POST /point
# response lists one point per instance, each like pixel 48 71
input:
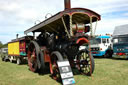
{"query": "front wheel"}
pixel 2 59
pixel 85 62
pixel 56 56
pixel 11 59
pixel 108 54
pixel 18 61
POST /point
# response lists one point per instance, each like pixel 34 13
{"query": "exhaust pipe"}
pixel 67 4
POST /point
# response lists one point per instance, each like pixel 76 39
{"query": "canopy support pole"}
pixel 71 33
pixel 95 27
pixel 66 30
pixel 91 33
pixel 33 34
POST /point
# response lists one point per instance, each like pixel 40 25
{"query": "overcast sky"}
pixel 18 15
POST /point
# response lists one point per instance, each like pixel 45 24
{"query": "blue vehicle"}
pixel 120 42
pixel 101 46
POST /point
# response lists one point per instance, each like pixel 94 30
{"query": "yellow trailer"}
pixel 13 49
pixel 17 49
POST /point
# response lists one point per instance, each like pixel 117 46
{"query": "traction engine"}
pixel 63 37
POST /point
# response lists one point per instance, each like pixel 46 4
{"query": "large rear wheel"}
pixel 32 60
pixel 35 57
pixel 33 52
pixel 85 62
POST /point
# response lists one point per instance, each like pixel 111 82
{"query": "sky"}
pixel 16 16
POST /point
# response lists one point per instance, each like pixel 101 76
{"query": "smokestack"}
pixel 17 36
pixel 67 4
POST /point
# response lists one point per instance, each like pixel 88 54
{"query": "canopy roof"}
pixel 22 38
pixel 54 23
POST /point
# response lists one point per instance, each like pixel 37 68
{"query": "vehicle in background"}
pixel 101 46
pixel 3 54
pixel 120 42
pixel 17 50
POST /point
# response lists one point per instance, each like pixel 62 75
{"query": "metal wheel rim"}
pixel 84 63
pixel 55 70
pixel 32 62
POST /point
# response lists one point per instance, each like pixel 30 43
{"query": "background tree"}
pixel 1 44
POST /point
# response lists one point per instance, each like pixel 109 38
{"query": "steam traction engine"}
pixel 61 37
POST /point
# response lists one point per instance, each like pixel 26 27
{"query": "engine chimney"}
pixel 17 36
pixel 67 4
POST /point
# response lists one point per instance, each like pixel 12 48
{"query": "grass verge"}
pixel 107 72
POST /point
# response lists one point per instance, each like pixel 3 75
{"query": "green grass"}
pixel 107 72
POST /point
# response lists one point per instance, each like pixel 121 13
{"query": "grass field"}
pixel 107 72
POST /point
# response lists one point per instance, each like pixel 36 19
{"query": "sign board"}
pixel 66 72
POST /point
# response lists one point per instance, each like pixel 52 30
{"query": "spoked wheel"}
pixel 32 62
pixel 35 57
pixel 85 62
pixel 56 56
